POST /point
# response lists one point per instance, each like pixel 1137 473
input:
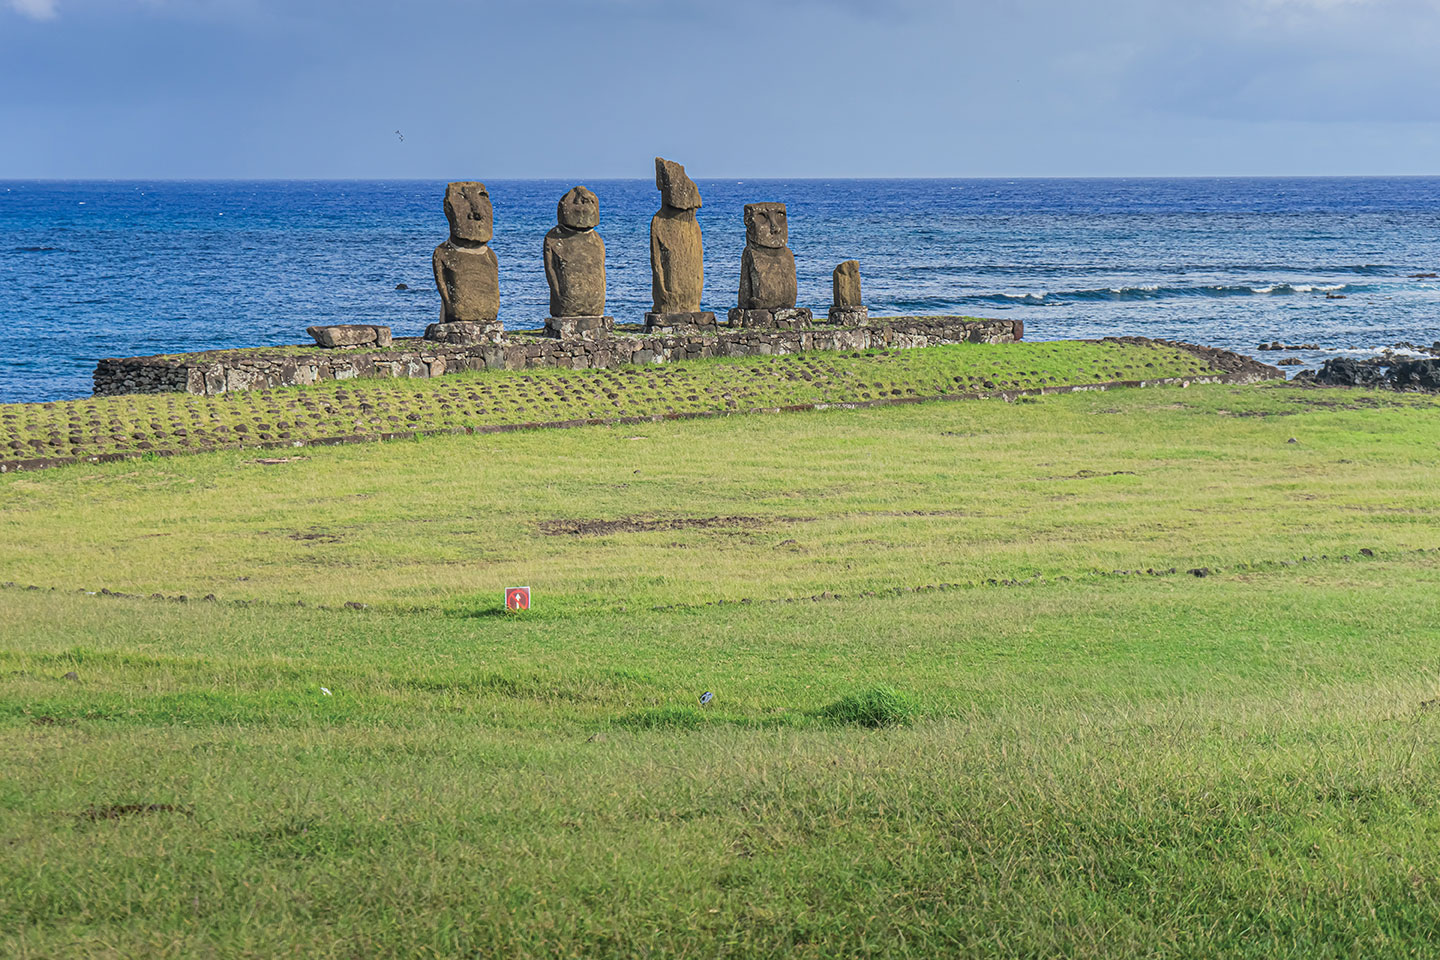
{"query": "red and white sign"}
pixel 517 598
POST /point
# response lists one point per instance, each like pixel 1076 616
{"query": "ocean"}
pixel 107 268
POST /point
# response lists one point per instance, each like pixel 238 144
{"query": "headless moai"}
pixel 466 272
pixel 575 269
pixel 767 271
pixel 847 309
pixel 677 257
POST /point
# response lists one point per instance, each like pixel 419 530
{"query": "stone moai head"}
pixel 467 207
pixel 676 189
pixel 579 209
pixel 766 225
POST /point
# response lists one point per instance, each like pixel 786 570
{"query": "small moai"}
pixel 767 272
pixel 575 269
pixel 847 310
pixel 466 271
pixel 677 258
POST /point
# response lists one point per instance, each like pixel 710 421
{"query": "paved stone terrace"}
pixel 218 372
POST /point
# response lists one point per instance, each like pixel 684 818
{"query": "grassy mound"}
pixel 876 707
pixel 145 423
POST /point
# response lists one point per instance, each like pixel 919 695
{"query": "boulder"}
pixel 1349 372
pixel 1415 375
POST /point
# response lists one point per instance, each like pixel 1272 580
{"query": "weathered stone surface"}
pixel 579 328
pixel 677 261
pixel 767 278
pixel 579 209
pixel 849 316
pixel 469 282
pixel 767 267
pixel 575 258
pixel 784 318
pixel 767 225
pixel 467 207
pixel 693 321
pixel 845 284
pixel 465 332
pixel 676 189
pixel 351 335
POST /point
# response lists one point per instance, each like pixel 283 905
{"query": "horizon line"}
pixel 559 179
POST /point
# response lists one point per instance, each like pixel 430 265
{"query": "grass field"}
pixel 962 706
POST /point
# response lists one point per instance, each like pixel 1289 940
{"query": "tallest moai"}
pixel 677 260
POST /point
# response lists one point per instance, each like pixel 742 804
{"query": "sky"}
pixel 485 89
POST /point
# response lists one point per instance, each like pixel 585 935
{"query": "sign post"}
pixel 517 598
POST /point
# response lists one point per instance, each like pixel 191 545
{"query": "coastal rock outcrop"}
pixel 575 268
pixel 1420 375
pixel 846 307
pixel 677 258
pixel 466 271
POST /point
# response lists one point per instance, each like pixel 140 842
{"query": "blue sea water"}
pixel 103 268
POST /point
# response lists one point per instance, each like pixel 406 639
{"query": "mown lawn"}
pixel 1079 758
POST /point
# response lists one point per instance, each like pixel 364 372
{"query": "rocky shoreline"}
pixel 1406 374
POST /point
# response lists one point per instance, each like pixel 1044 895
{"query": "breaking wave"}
pixel 1161 292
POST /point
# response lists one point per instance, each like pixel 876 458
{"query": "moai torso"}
pixel 845 285
pixel 767 267
pixel 575 258
pixel 677 259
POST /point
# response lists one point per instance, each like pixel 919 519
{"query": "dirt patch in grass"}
pixel 598 528
pixel 49 721
pixel 115 811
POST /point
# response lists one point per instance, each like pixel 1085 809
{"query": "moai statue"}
pixel 767 272
pixel 847 310
pixel 575 269
pixel 466 270
pixel 677 261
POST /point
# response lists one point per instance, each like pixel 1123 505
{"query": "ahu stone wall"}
pixel 217 372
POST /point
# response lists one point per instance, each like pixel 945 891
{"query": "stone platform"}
pixel 217 372
pixel 784 318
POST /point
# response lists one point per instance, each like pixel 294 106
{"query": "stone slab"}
pixel 351 335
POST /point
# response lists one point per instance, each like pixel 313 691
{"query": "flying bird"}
pixel 400 135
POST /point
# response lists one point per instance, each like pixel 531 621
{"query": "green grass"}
pixel 1069 760
pixel 183 423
